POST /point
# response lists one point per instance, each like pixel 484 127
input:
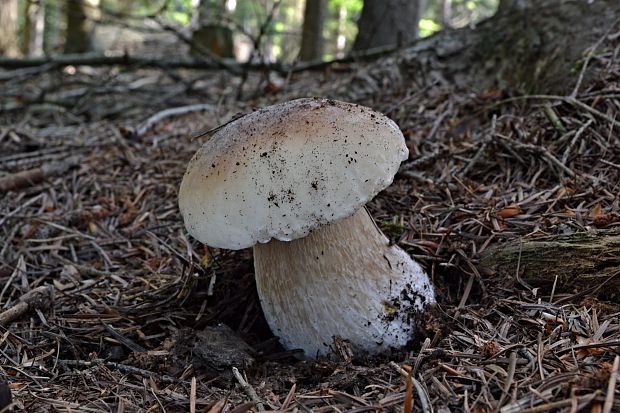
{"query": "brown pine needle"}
pixel 409 390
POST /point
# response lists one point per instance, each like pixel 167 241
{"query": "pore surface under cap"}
pixel 286 169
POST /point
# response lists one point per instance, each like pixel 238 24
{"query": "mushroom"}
pixel 292 180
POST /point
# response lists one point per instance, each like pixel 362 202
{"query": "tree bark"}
pixel 36 45
pixel 528 46
pixel 8 28
pixel 312 32
pixel 26 27
pixel 52 40
pixel 446 14
pixel 387 23
pixel 577 260
pixel 210 34
pixel 79 28
pixel 534 45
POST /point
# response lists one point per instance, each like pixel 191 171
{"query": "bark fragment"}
pixel 581 260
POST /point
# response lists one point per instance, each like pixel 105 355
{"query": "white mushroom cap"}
pixel 284 170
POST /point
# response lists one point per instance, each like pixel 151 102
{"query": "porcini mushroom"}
pixel 292 180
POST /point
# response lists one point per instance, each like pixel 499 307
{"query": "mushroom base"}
pixel 344 279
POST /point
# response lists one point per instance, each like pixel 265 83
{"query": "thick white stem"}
pixel 343 279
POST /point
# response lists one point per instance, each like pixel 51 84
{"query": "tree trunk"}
pixel 534 45
pixel 446 14
pixel 341 39
pixel 528 46
pixel 568 261
pixel 8 28
pixel 387 23
pixel 79 28
pixel 210 34
pixel 312 33
pixel 36 45
pixel 52 41
pixel 26 28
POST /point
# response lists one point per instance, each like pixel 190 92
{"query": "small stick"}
pixel 572 143
pixel 615 165
pixel 31 177
pixel 423 396
pixel 408 165
pixel 553 118
pixel 244 408
pixel 553 405
pixel 248 389
pixel 555 284
pixel 482 148
pixel 611 386
pixel 467 291
pixel 38 298
pixel 219 406
pixel 437 124
pixel 192 396
pixel 406 373
pixel 475 158
pixel 509 379
pixel 418 360
pixel 148 124
pixel 19 269
pixel 289 397
pixel 399 369
pixel 566 99
pixel 591 52
pixel 540 150
pixel 123 368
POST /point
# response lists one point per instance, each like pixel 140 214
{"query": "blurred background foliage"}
pixel 42 25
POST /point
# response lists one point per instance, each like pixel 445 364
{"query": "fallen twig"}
pixel 540 150
pixel 168 113
pixel 248 389
pixel 38 298
pixel 92 59
pixel 120 367
pixel 574 141
pixel 34 176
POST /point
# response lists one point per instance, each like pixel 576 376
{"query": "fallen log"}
pixel 574 261
pixel 92 59
pixel 124 59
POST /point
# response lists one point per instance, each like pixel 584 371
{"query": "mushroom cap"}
pixel 284 170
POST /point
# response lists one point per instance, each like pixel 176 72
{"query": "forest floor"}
pixel 128 305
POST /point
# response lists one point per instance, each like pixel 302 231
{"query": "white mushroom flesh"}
pixel 345 280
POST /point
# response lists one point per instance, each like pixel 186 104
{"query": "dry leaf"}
pixel 509 212
pixel 596 211
pixel 204 260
